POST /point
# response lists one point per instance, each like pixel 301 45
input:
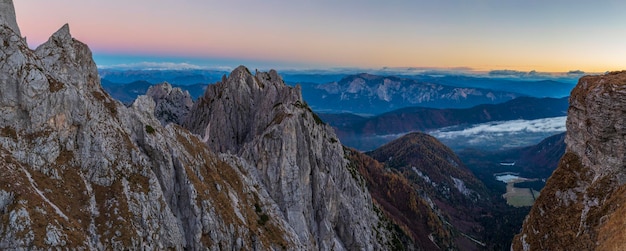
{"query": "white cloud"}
pixel 486 131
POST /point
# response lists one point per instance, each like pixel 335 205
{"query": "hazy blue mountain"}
pixel 126 93
pixel 535 88
pixel 372 94
pixel 313 77
pixel 174 77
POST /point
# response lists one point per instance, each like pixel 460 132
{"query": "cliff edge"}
pixel 583 205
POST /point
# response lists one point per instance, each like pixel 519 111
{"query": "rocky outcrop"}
pixel 172 104
pixel 582 206
pixel 297 158
pixel 82 171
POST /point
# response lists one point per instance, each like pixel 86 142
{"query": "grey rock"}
pixel 172 104
pixel 7 15
pixel 296 157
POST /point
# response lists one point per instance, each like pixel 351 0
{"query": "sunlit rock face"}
pixel 582 206
pixel 295 155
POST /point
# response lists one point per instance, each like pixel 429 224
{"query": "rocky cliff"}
pixel 82 171
pixel 297 158
pixel 582 206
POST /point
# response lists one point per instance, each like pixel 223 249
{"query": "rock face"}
pixel 82 171
pixel 172 104
pixel 297 157
pixel 582 206
pixel 7 15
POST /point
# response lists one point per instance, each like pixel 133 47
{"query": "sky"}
pixel 547 36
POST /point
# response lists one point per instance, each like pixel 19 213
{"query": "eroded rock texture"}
pixel 297 158
pixel 172 104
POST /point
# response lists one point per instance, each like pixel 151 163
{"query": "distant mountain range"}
pixel 127 93
pixel 341 92
pixel 174 77
pixel 372 94
pixel 364 132
pixel 534 88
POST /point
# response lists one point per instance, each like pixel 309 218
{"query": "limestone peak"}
pixel 63 32
pixel 7 15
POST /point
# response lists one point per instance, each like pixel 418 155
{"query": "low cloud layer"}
pixel 552 125
pixel 501 135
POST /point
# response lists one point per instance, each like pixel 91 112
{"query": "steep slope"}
pixel 372 94
pixel 297 158
pixel 403 204
pixel 457 195
pixel 582 204
pixel 82 171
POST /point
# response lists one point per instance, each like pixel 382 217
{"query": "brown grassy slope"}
pixel 401 203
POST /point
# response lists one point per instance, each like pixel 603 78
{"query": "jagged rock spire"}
pixel 7 15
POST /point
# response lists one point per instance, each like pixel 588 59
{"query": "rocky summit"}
pixel 172 104
pixel 297 158
pixel 582 206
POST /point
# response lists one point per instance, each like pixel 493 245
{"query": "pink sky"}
pixel 529 35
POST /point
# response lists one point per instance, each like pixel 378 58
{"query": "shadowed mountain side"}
pixel 442 179
pixel 537 161
pixel 401 202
